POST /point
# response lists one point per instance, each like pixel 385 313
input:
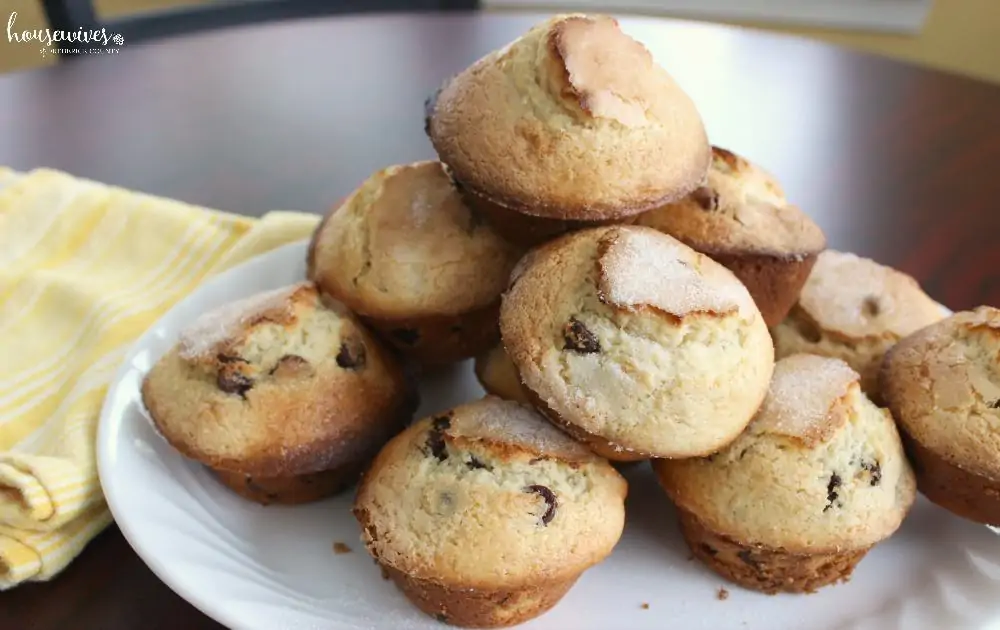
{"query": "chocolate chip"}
pixel 806 329
pixel 475 464
pixel 435 437
pixel 550 499
pixel 831 490
pixel 709 550
pixel 352 354
pixel 870 306
pixel 409 336
pixel 229 358
pixel 455 329
pixel 233 382
pixel 747 557
pixel 996 404
pixel 875 470
pixel 579 338
pixel 442 422
pixel 443 618
pixel 706 197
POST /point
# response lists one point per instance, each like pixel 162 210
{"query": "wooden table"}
pixel 895 163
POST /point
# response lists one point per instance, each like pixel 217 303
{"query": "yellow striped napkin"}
pixel 84 269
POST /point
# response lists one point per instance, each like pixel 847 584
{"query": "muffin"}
pixel 817 479
pixel 854 309
pixel 635 343
pixel 405 253
pixel 942 384
pixel 498 376
pixel 742 219
pixel 486 515
pixel 284 397
pixel 571 125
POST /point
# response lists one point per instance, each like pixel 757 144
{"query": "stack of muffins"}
pixel 628 292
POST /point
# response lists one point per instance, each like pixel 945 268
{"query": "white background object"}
pixel 273 568
pixel 897 16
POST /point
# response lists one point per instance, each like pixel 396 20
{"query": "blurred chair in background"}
pixel 71 15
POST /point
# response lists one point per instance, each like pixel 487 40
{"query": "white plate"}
pixel 249 566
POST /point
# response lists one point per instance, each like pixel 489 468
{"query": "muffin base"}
pixel 441 339
pixel 774 282
pixel 525 229
pixel 479 608
pixel 965 494
pixel 764 569
pixel 291 489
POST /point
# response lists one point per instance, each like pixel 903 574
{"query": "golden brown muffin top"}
pixel 851 297
pixel 943 385
pixel 489 495
pixel 276 384
pixel 633 337
pixel 405 245
pixel 741 209
pixel 802 401
pixel 573 120
pixel 820 468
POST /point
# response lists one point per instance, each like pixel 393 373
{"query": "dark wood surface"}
pixel 894 162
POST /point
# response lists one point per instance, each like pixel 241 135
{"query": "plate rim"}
pixel 109 427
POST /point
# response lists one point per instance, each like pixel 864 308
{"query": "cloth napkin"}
pixel 85 269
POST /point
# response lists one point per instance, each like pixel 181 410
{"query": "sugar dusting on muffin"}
pixel 218 327
pixel 606 70
pixel 799 402
pixel 641 268
pixel 857 298
pixel 518 425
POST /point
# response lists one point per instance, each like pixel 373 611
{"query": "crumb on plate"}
pixel 339 548
pixel 645 605
pixel 723 594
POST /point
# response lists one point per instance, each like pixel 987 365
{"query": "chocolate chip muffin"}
pixel 942 384
pixel 284 397
pixel 406 254
pixel 498 376
pixel 817 479
pixel 571 125
pixel 635 343
pixel 742 219
pixel 854 309
pixel 486 515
